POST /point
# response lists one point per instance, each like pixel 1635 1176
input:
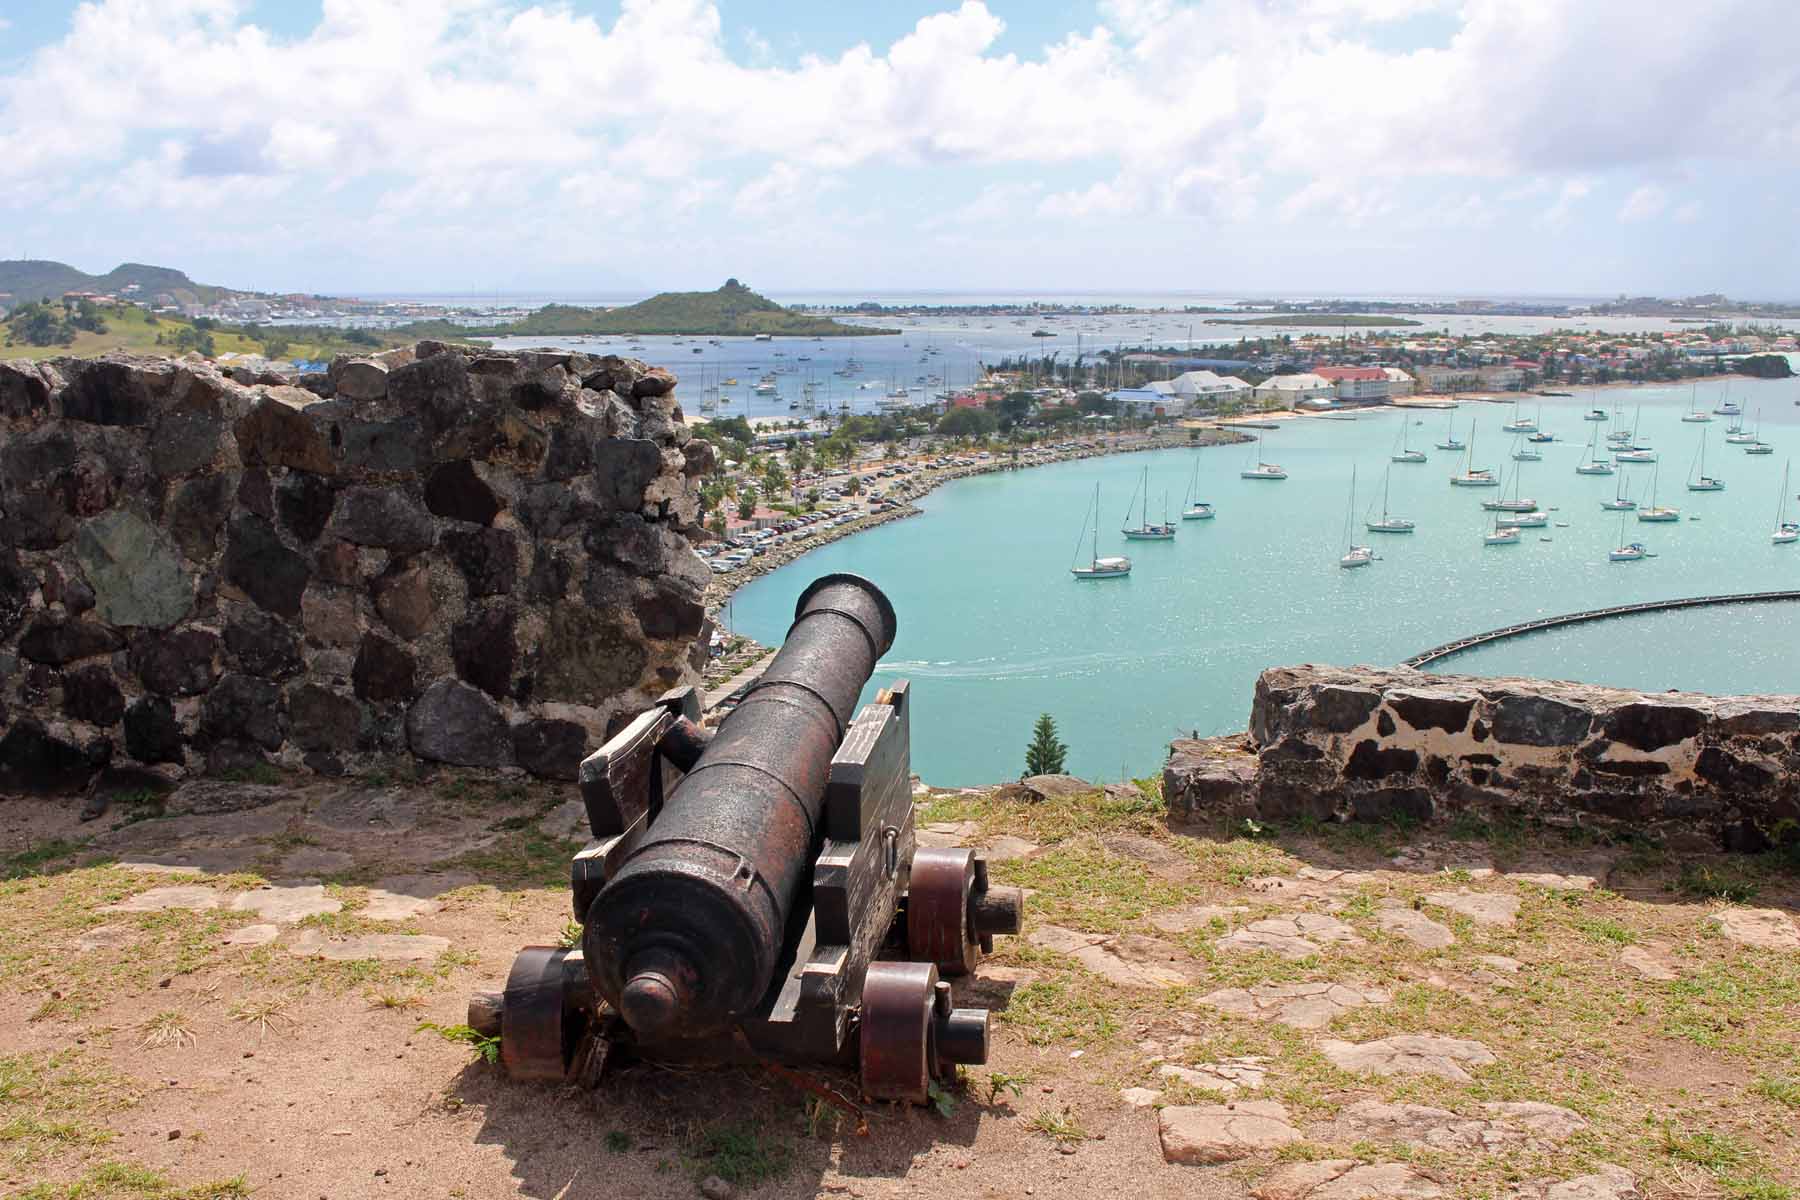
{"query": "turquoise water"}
pixel 994 630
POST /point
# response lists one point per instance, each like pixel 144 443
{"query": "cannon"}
pixel 757 890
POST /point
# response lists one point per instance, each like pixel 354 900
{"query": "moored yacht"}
pixel 1786 531
pixel 1111 567
pixel 1655 511
pixel 1262 470
pixel 1594 414
pixel 1450 442
pixel 1592 463
pixel 1702 482
pixel 1535 519
pixel 1147 530
pixel 1387 523
pixel 1354 555
pixel 1192 507
pixel 1472 475
pixel 1634 456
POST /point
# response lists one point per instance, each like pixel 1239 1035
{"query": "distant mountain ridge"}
pixel 40 279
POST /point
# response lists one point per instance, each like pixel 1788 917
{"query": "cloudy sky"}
pixel 593 146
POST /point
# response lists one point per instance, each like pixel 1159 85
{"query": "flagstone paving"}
pixel 1339 1016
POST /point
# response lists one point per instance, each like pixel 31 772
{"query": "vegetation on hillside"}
pixel 38 279
pixel 38 330
pixel 732 310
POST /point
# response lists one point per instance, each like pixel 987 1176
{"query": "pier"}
pixel 1592 614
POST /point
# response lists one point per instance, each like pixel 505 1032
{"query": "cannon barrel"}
pixel 684 937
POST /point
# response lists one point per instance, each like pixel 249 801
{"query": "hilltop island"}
pixel 732 311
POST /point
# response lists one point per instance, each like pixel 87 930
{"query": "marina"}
pixel 1197 618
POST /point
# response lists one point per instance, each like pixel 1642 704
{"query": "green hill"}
pixel 40 279
pixel 732 310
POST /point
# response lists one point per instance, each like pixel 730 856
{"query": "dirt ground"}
pixel 1568 1009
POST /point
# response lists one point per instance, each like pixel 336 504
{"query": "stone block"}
pixel 52 640
pixel 275 433
pixel 244 708
pixel 456 491
pixel 322 719
pixel 135 572
pixel 304 501
pixel 483 649
pixel 487 558
pixel 550 749
pixel 384 673
pixel 263 645
pixel 264 567
pixel 152 734
pixel 403 598
pixel 452 722
pixel 383 517
pixel 91 694
pixel 181 663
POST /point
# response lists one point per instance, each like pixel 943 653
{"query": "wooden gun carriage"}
pixel 758 889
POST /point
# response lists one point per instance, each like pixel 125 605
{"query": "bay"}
pixel 994 630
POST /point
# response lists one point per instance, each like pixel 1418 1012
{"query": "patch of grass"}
pixel 1081 885
pixel 1059 1125
pixel 262 1014
pixel 1603 930
pixel 1779 1088
pixel 1011 1084
pixel 739 1153
pixel 33 859
pixel 570 937
pixel 525 857
pixel 1717 883
pixel 617 1141
pixel 1046 1011
pixel 48 1104
pixel 113 1179
pixel 486 1048
pixel 167 1028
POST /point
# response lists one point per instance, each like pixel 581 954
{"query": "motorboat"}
pixel 1536 519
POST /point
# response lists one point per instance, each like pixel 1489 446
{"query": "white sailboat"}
pixel 1627 437
pixel 1702 482
pixel 1262 470
pixel 1388 522
pixel 1696 415
pixel 1655 511
pixel 1626 551
pixel 1406 454
pixel 1099 568
pixel 1524 453
pixel 1471 475
pixel 1620 501
pixel 1634 454
pixel 1786 531
pixel 1592 463
pixel 1515 503
pixel 1519 424
pixel 1727 406
pixel 1501 535
pixel 1450 442
pixel 1192 507
pixel 1355 555
pixel 1147 530
pixel 1594 414
pixel 1757 445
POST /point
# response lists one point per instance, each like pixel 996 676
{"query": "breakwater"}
pixel 1593 614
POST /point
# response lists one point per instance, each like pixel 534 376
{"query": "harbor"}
pixel 1188 628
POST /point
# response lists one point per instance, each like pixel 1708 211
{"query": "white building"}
pixel 1399 382
pixel 1204 389
pixel 1293 391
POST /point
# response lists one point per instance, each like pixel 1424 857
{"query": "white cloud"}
pixel 1645 202
pixel 1165 109
pixel 1558 214
pixel 1688 213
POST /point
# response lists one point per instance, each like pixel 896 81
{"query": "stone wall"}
pixel 1372 744
pixel 474 558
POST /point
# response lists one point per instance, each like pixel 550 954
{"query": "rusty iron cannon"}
pixel 758 891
